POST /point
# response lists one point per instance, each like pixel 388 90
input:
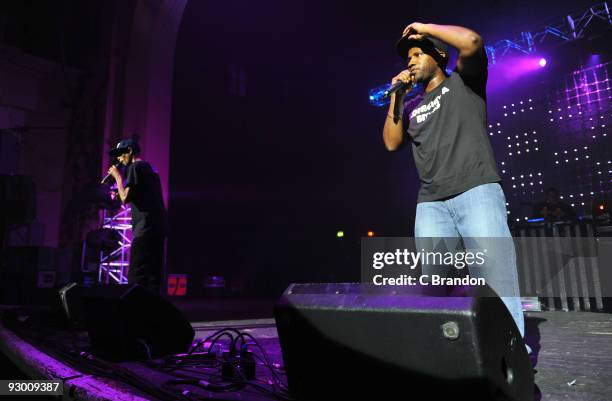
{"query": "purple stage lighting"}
pixel 594 60
pixel 514 68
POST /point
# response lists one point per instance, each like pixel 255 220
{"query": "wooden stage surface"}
pixel 572 358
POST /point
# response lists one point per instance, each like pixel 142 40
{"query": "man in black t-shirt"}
pixel 142 189
pixel 460 196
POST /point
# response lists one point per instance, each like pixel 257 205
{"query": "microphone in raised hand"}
pixel 400 85
pixel 109 175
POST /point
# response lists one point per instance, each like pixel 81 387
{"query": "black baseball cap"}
pixel 122 147
pixel 428 44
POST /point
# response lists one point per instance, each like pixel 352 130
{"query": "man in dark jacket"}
pixel 142 189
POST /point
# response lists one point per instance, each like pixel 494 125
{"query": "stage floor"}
pixel 573 353
pixel 572 357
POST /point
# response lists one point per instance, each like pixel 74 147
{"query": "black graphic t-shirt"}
pixel 451 149
pixel 145 196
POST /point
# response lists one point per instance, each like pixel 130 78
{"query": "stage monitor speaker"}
pixel 349 341
pixel 127 322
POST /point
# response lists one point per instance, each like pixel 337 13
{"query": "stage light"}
pixel 542 62
pixel 340 234
pixel 370 233
pixel 594 59
pixel 601 207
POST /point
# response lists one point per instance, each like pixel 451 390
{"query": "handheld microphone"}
pixel 398 86
pixel 116 164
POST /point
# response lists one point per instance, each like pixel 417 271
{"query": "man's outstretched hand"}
pixel 416 30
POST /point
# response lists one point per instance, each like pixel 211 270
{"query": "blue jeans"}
pixel 479 217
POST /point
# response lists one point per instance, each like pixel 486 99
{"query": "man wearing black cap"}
pixel 142 189
pixel 460 194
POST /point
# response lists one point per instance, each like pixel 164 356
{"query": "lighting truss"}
pixel 114 264
pixel 572 27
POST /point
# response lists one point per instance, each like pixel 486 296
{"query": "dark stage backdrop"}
pixel 274 146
